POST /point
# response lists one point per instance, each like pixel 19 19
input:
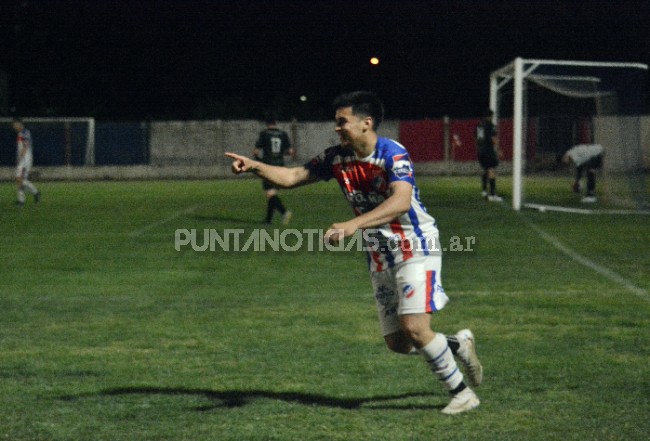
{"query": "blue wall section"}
pixel 121 143
pixel 58 143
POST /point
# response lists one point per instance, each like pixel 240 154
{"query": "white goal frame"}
pixel 516 71
pixel 89 159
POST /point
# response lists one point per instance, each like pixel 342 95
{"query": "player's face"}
pixel 351 128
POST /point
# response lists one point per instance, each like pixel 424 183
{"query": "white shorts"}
pixel 411 287
pixel 23 169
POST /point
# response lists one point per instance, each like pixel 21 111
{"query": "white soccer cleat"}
pixel 468 358
pixel 589 199
pixel 462 402
pixel 494 198
pixel 484 193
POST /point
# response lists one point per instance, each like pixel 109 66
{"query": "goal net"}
pixel 548 107
pixel 57 141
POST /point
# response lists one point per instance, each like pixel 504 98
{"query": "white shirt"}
pixel 582 153
pixel 24 141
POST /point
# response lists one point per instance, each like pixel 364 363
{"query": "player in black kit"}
pixel 488 156
pixel 271 147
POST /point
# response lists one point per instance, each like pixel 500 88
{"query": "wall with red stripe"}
pixel 445 139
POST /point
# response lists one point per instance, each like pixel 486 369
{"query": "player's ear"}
pixel 369 122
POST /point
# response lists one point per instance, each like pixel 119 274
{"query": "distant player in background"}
pixel 24 161
pixel 271 147
pixel 487 144
pixel 377 178
pixel 587 158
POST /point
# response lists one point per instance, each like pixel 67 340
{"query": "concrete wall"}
pixel 194 150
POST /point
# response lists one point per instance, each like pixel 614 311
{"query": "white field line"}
pixel 141 231
pixel 541 207
pixel 603 271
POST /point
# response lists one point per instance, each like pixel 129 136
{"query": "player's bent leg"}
pixel 484 183
pixel 398 342
pixel 440 359
pixel 27 185
pixel 20 191
pixel 435 349
pixel 270 202
pixel 441 362
pixel 417 328
pixel 591 182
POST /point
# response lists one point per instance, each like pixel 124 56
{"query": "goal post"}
pixel 554 104
pixel 57 140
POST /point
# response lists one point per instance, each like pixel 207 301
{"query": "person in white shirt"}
pixel 587 158
pixel 24 161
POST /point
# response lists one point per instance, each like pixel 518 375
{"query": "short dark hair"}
pixel 362 103
pixel 270 117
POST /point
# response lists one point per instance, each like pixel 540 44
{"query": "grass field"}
pixel 108 333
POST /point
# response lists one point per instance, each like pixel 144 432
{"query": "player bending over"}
pixel 587 158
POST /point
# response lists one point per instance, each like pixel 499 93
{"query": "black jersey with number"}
pixel 274 144
pixel 485 132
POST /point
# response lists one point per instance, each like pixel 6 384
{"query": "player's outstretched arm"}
pixel 282 176
pixel 241 164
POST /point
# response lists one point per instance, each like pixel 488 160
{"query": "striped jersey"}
pixel 24 140
pixel 365 184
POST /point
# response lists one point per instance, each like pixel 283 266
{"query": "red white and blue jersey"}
pixel 365 183
pixel 24 141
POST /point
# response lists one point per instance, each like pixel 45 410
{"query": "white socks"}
pixel 27 185
pixel 441 362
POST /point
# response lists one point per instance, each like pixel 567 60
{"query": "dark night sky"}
pixel 165 59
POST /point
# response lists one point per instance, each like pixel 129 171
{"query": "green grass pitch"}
pixel 107 332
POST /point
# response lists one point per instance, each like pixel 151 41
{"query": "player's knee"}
pixel 417 331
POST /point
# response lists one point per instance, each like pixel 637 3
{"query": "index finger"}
pixel 232 155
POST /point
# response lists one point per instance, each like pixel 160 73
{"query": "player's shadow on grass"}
pixel 237 398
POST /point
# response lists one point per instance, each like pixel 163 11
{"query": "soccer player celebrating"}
pixel 376 176
pixel 24 160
